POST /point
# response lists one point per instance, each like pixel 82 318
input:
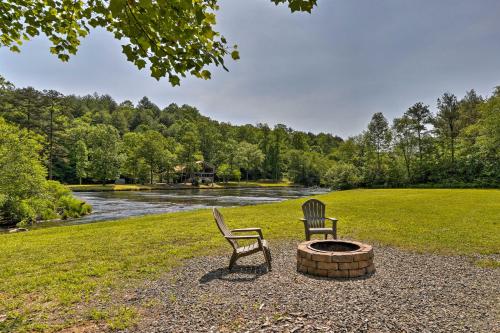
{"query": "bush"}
pixel 71 207
pixel 342 176
pixel 65 205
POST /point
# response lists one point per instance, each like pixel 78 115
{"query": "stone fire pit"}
pixel 335 258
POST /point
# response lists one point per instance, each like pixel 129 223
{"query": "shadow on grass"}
pixel 239 273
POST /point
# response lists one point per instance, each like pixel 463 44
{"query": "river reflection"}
pixel 122 204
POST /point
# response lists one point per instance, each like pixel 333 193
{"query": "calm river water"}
pixel 121 204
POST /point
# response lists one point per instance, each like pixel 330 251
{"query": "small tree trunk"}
pixel 51 141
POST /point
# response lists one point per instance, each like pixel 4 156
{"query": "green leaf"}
pixel 174 80
pixel 140 63
pixel 115 6
pixel 206 74
pixel 235 55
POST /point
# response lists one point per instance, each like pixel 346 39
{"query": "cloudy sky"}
pixel 326 71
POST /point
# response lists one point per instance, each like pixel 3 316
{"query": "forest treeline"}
pixel 93 138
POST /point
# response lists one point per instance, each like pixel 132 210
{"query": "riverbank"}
pixel 138 187
pixel 87 275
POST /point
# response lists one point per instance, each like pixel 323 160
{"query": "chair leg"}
pixel 232 261
pixel 267 256
pixel 308 237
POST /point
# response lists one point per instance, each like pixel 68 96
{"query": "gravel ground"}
pixel 408 293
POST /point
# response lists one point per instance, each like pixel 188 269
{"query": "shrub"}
pixel 71 207
pixel 342 176
pixel 64 203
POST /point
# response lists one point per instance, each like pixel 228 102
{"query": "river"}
pixel 122 204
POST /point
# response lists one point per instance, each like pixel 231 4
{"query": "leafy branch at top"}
pixel 174 38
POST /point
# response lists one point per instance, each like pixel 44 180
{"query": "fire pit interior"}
pixel 334 246
pixel 335 258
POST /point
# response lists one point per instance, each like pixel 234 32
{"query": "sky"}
pixel 327 71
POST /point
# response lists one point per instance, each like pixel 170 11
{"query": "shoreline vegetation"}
pixel 78 276
pixel 253 184
pixel 179 186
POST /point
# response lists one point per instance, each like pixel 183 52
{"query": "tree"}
pixel 306 168
pixel 488 141
pixel 134 165
pixel 5 85
pixel 404 140
pixel 173 38
pixel 446 121
pixel 25 195
pixel 81 160
pixel 275 155
pixel 469 109
pixel 248 157
pixel 224 171
pixel 22 175
pixel 104 152
pixel 188 151
pixel 419 117
pixel 154 150
pixel 379 137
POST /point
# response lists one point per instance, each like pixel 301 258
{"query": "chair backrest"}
pixel 219 219
pixel 314 213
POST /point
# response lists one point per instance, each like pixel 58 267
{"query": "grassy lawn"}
pixel 256 184
pixel 109 187
pixel 68 276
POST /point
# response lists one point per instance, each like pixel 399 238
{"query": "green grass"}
pixel 488 263
pixel 68 276
pixel 257 184
pixel 109 187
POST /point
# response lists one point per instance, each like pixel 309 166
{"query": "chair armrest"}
pixel 258 230
pixel 244 237
pixel 303 220
pixel 258 238
pixel 333 219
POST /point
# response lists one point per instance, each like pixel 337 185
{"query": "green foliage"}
pixel 225 172
pixel 81 156
pixel 307 168
pixel 446 123
pixel 248 157
pixel 342 176
pixel 145 143
pixel 104 153
pixel 172 38
pixel 122 318
pixel 25 195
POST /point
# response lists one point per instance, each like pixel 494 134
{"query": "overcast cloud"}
pixel 326 71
